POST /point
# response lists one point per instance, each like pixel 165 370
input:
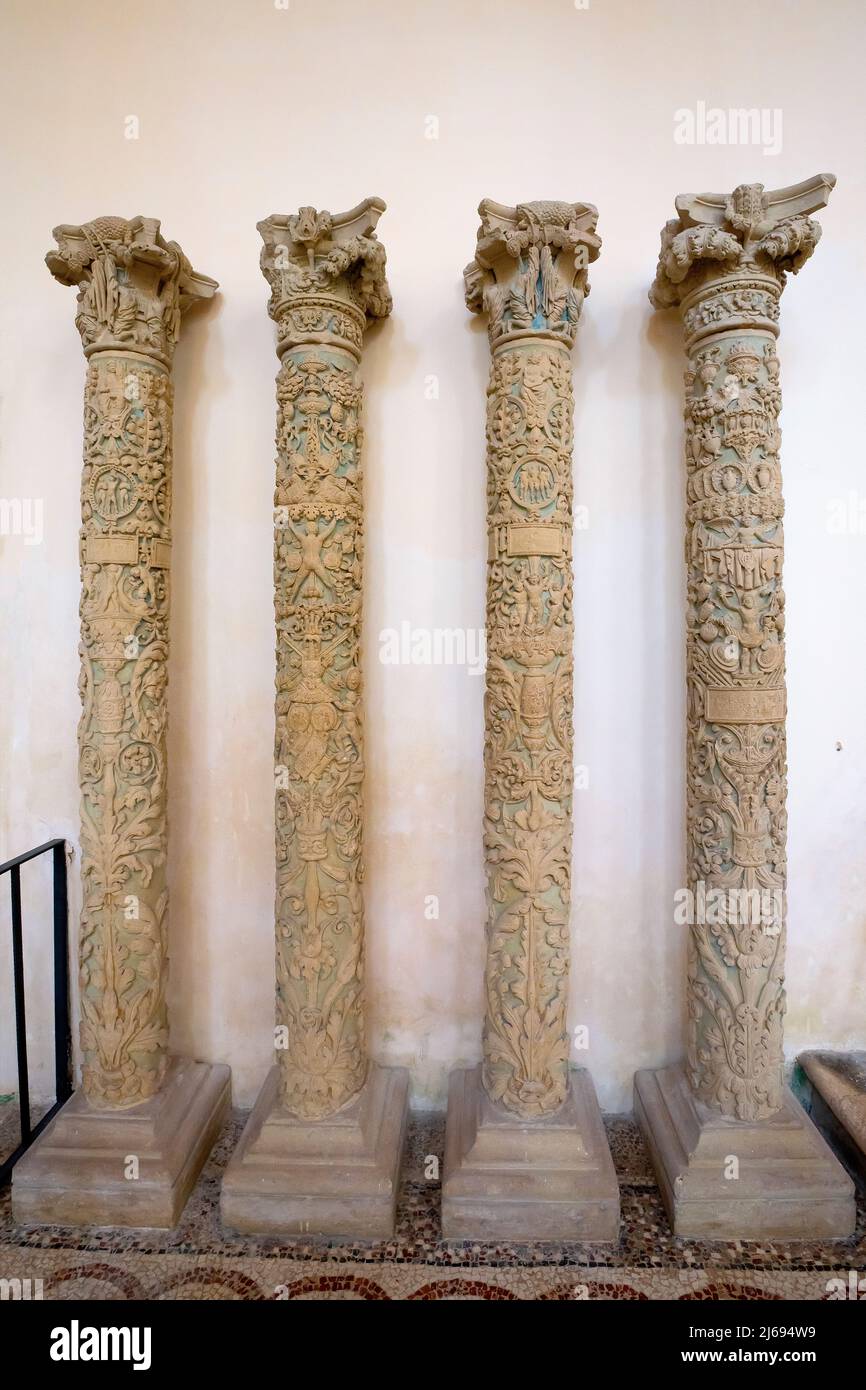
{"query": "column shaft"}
pixel 318 556
pixel 125 554
pixel 528 724
pixel 736 784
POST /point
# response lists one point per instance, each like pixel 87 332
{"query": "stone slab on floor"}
pixel 832 1087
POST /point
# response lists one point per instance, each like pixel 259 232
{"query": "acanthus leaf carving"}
pixel 750 231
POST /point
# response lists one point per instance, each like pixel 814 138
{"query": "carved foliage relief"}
pixel 133 288
pixel 736 730
pixel 725 260
pixel 124 648
pixel 528 724
pixel 322 291
pixel 318 554
pixel 533 306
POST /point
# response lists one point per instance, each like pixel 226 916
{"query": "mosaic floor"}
pixel 199 1260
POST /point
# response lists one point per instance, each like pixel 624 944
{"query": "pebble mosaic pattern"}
pixel 200 1260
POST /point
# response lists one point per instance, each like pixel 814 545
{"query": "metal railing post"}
pixel 60 931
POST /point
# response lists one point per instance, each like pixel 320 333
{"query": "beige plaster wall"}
pixel 246 108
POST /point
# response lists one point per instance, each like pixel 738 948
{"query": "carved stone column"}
pixel 526 1155
pixel 734 1152
pixel 135 1100
pixel 322 1148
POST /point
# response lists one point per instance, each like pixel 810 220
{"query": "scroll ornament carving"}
pixel 530 277
pixel 333 279
pixel 133 289
pixel 728 275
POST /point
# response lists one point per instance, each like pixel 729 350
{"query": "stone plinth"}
pixel 728 1179
pixel 134 1167
pixel 337 1176
pixel 524 1180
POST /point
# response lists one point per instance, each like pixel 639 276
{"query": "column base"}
pixel 790 1186
pixel 74 1175
pixel 546 1179
pixel 832 1087
pixel 332 1177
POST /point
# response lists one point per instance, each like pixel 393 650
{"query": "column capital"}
pixel 530 272
pixel 134 286
pixel 327 274
pixel 748 239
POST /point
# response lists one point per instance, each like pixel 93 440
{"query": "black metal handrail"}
pixel 62 1072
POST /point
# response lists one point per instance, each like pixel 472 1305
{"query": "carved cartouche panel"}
pixel 725 261
pixel 530 277
pixel 326 276
pixel 133 289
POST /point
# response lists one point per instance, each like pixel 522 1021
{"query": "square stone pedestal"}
pixel 332 1177
pixel 832 1087
pixel 789 1184
pixel 546 1179
pixel 76 1172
